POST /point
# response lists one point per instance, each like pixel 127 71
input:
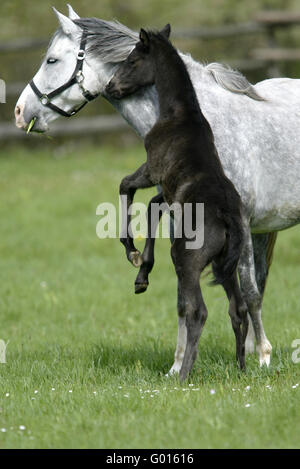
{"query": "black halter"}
pixel 76 78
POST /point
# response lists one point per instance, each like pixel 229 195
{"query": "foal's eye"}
pixel 51 60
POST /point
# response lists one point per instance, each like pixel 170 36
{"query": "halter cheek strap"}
pixel 76 78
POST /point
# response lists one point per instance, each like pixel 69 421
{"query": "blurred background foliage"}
pixel 35 19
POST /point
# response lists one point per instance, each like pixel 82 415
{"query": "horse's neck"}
pixel 140 110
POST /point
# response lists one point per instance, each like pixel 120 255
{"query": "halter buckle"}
pixel 79 77
pixel 81 54
pixel 44 100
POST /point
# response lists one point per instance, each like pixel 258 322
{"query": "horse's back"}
pixel 282 90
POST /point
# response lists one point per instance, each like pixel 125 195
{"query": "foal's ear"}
pixel 166 31
pixel 144 37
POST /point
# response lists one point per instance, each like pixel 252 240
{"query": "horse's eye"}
pixel 51 60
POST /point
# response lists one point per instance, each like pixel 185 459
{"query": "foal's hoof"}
pixel 140 287
pixel 135 258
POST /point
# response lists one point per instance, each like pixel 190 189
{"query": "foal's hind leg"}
pixel 189 264
pixel 238 314
pixel 181 335
pixel 196 314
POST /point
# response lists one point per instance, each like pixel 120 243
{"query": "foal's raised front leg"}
pixel 140 179
pixel 142 282
pixel 253 298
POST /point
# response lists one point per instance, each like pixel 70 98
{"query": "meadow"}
pixel 86 359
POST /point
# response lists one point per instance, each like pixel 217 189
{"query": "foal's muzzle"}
pixel 113 90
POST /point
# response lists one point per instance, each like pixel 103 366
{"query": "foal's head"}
pixel 138 69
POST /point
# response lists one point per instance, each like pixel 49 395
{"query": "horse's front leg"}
pixel 253 298
pixel 140 179
pixel 142 282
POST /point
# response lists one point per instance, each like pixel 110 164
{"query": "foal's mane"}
pixel 111 41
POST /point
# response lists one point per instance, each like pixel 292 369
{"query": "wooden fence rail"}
pixel 217 32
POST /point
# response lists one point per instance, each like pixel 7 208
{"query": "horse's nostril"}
pixel 19 116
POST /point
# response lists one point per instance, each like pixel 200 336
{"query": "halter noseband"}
pixel 76 78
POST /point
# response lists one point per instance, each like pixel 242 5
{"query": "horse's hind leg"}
pixel 239 318
pixel 263 245
pixel 253 298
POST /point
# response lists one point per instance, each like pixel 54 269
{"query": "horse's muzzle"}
pixel 19 116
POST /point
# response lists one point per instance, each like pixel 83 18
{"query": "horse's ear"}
pixel 144 37
pixel 66 23
pixel 72 14
pixel 166 31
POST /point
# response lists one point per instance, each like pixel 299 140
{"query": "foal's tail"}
pixel 227 263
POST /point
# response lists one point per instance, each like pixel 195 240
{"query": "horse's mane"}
pixel 111 41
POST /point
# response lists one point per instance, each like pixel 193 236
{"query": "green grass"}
pixel 68 309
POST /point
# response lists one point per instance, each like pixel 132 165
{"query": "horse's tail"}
pixel 225 266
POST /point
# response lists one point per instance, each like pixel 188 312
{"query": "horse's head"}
pixel 138 70
pixel 65 81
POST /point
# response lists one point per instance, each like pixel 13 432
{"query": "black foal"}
pixel 182 158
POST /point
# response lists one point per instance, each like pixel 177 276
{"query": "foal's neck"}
pixel 176 93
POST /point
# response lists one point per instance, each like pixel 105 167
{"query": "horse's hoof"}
pixel 136 259
pixel 140 287
pixel 264 353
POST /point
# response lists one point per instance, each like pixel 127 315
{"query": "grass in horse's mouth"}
pixel 31 124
